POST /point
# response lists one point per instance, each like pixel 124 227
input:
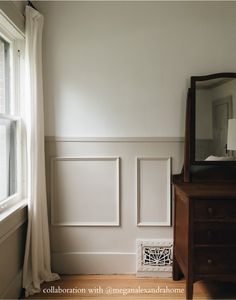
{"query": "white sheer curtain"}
pixel 37 266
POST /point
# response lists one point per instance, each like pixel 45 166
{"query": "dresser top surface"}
pixel 207 190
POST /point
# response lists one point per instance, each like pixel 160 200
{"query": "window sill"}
pixel 13 209
pixel 12 218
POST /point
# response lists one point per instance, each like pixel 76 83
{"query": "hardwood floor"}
pixel 118 287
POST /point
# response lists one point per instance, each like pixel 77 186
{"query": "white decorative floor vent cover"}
pixel 154 255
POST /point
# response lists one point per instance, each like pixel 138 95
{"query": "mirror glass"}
pixel 215 101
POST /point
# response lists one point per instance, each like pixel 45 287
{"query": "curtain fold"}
pixel 37 264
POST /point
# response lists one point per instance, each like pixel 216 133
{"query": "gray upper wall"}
pixel 122 69
pixel 15 11
pixel 20 5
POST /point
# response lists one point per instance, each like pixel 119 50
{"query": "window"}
pixel 11 163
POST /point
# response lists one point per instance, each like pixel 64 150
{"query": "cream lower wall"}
pixel 12 244
pixel 109 249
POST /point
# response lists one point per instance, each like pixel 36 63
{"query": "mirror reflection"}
pixel 215 104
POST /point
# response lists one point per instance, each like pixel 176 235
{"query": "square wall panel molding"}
pixel 85 191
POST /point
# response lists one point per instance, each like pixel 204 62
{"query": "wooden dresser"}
pixel 204 233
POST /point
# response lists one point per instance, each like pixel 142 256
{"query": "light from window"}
pixel 12 106
pixel 9 125
pixel 4 77
pixel 8 184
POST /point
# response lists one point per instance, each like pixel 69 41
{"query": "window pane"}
pixel 4 77
pixel 7 158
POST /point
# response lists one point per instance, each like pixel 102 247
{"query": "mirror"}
pixel 214 99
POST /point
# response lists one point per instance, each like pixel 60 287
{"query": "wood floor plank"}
pixel 117 287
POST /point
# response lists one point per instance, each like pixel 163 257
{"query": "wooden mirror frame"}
pixel 203 170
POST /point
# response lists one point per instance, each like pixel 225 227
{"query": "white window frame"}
pixel 11 34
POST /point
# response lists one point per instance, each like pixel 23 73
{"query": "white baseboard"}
pixel 94 263
pixel 154 274
pixel 13 291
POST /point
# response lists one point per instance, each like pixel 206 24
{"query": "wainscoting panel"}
pixel 153 191
pixel 85 191
pixel 12 246
pixel 90 181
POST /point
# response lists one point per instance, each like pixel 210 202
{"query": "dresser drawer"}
pixel 214 260
pixel 214 209
pixel 215 233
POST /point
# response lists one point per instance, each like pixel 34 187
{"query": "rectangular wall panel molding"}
pixel 85 191
pixel 153 191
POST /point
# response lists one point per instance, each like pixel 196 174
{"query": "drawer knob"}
pixel 209 261
pixel 210 210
